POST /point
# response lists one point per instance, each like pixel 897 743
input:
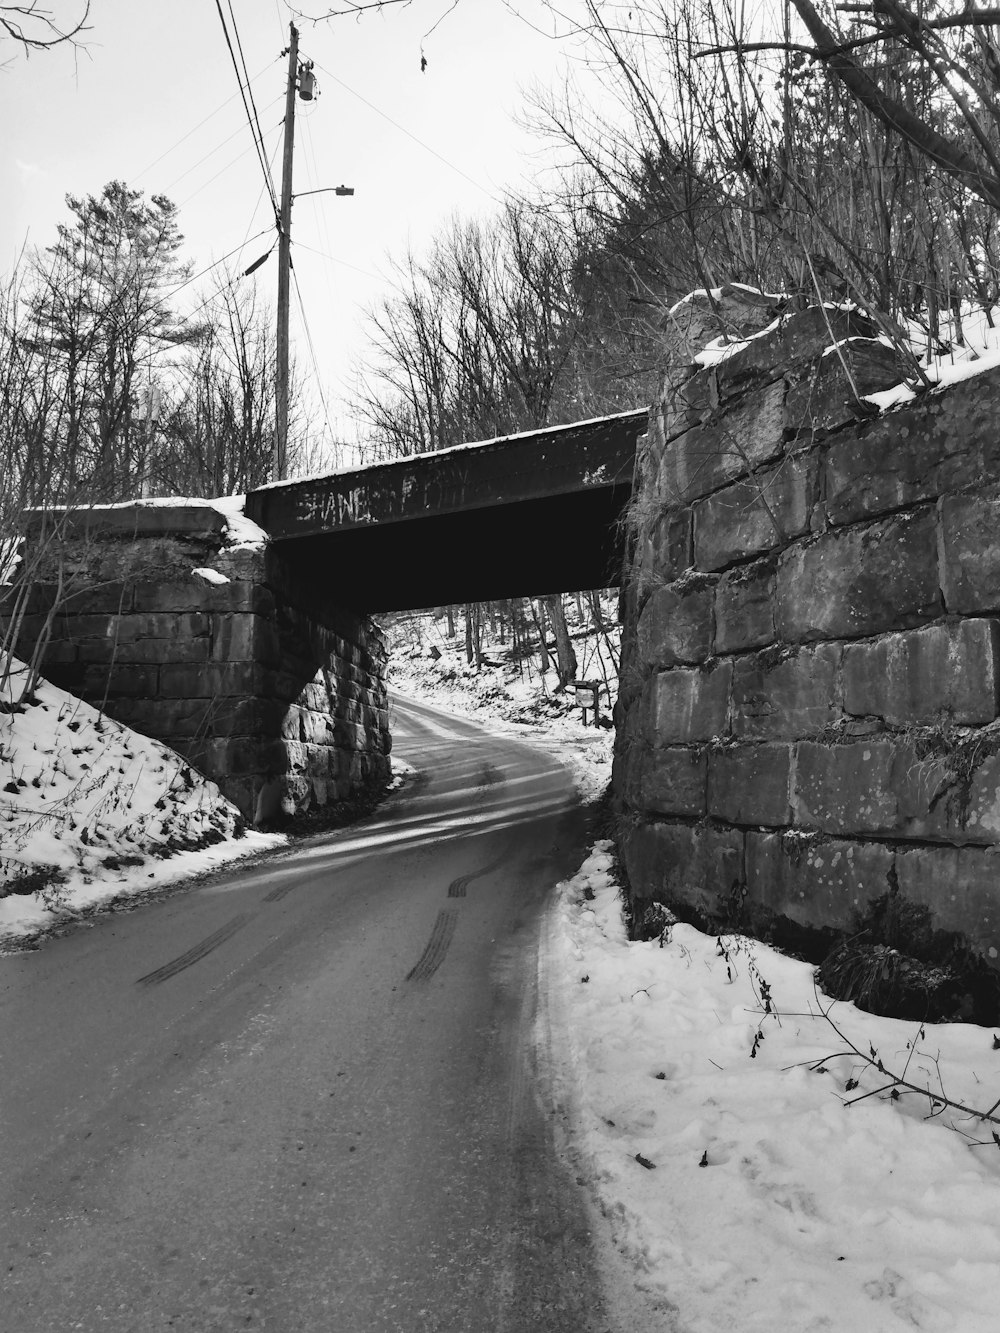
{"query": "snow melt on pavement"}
pixel 734 1171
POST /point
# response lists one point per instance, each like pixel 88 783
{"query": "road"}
pixel 303 1095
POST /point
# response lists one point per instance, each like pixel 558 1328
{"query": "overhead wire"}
pixel 249 88
pixel 212 151
pixel 254 126
pixel 319 211
pixel 221 172
pixel 365 272
pixel 204 121
pixel 410 135
pixel 312 353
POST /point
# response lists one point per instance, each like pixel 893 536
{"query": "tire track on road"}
pixel 458 887
pixel 196 952
pixel 437 946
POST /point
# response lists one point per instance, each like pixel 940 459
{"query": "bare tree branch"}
pixel 37 29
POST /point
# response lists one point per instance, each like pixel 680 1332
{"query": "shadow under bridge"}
pixel 526 514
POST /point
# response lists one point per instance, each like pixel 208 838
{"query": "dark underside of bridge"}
pixel 480 555
pixel 526 515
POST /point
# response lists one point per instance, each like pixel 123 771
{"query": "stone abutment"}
pixel 261 683
pixel 808 717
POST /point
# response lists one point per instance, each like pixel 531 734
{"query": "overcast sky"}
pixel 153 100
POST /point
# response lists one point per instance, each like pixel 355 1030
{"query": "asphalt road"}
pixel 303 1095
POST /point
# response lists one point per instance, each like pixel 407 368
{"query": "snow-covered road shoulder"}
pixel 750 1194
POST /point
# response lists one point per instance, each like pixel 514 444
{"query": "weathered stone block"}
pixel 670 781
pixel 242 637
pixel 961 886
pixel 816 882
pixel 865 787
pixel 348 735
pixel 243 756
pixel 121 681
pixel 744 608
pixel 802 335
pixel 689 704
pixel 676 624
pixel 786 695
pixel 755 514
pixel 940 673
pixel 143 519
pixel 665 550
pixel 315 728
pixel 707 456
pixel 148 651
pixel 182 596
pixel 167 718
pixel 824 398
pixel 687 863
pixel 108 599
pixel 208 681
pixel 695 320
pixel 971 808
pixel 72 628
pixel 941 442
pixel 862 581
pixel 748 784
pixel 157 625
pixel 970 551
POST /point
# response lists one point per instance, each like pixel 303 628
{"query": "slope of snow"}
pixel 91 811
pixel 754 1187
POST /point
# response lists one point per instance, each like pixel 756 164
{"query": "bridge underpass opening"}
pixel 528 514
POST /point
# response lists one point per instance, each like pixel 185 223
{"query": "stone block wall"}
pixel 274 692
pixel 808 716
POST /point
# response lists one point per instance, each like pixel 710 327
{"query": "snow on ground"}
pixel 737 1172
pixel 91 812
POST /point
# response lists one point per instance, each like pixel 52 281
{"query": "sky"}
pixel 153 99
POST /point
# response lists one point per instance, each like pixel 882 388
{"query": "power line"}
pixel 322 212
pixel 215 264
pixel 261 156
pixel 403 130
pixel 366 273
pixel 221 172
pixel 212 151
pixel 249 86
pixel 312 353
pixel 204 121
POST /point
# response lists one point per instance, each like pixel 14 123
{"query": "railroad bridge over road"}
pixel 532 513
pixel 263 667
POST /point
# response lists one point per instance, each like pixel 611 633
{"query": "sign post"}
pixel 588 693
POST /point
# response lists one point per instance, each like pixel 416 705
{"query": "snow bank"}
pixel 754 1186
pixel 90 810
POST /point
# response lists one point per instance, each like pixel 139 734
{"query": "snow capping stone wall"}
pixel 277 695
pixel 808 715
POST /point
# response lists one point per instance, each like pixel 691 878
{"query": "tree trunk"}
pixel 469 655
pixel 538 611
pixel 565 656
pixel 450 613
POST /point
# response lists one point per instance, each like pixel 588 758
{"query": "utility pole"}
pixel 280 456
pixel 301 80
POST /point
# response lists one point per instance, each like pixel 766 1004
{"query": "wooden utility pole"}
pixel 279 458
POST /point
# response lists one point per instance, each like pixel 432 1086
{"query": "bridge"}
pixel 531 513
pixel 263 667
